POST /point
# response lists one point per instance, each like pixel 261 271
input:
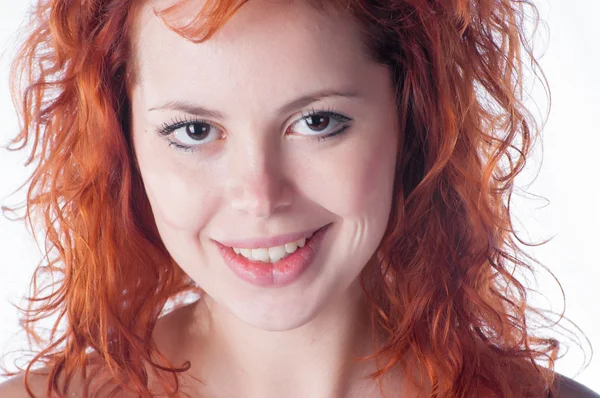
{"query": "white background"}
pixel 568 179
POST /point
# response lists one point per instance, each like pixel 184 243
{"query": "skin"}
pixel 261 173
pixel 263 178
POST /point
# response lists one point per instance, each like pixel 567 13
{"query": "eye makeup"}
pixel 190 133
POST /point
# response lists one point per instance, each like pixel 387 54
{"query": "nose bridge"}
pixel 256 179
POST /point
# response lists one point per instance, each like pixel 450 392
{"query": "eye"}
pixel 195 133
pixel 322 123
pixel 189 133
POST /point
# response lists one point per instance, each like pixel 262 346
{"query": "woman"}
pixel 325 179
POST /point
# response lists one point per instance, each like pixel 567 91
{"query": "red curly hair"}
pixel 441 284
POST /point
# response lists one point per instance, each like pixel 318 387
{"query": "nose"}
pixel 257 182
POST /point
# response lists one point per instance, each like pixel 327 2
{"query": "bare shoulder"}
pixel 37 381
pixel 568 388
pixel 15 386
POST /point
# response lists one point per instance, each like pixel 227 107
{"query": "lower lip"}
pixel 280 273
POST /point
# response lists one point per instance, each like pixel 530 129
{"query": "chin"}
pixel 275 313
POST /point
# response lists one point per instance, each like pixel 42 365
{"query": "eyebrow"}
pixel 198 110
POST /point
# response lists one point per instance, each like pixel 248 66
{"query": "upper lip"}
pixel 273 241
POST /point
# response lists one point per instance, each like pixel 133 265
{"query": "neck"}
pixel 314 360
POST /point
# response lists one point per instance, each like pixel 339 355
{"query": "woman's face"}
pixel 258 168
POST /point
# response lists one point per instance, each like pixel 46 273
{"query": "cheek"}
pixel 181 198
pixel 357 181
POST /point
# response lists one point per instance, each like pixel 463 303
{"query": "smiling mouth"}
pixel 272 254
pixel 280 272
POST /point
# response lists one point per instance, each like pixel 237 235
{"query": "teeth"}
pixel 291 247
pixel 260 254
pixel 271 254
pixel 277 253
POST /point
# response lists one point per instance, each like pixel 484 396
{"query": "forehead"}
pixel 264 47
pixel 255 19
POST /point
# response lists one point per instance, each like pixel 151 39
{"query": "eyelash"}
pixel 166 129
